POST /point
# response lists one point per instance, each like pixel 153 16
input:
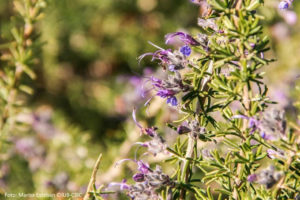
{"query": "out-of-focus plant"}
pixel 218 77
pixel 29 162
pixel 91 44
pixel 18 58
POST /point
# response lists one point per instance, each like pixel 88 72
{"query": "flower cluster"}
pixel 157 144
pixel 147 181
pixel 271 125
pixel 174 60
pixel 169 88
pixel 192 127
pixel 268 177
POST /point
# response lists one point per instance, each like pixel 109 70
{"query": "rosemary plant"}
pixel 18 57
pixel 215 81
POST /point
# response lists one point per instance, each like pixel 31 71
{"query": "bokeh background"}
pixel 89 81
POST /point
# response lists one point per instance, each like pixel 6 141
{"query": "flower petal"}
pixel 134 119
pixel 184 37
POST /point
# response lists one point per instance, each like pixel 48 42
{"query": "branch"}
pixel 192 141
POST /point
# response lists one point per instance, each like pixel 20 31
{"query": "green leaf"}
pixel 253 5
pixel 217 4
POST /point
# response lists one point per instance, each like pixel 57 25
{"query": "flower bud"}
pixel 251 178
pixel 183 129
pixel 139 177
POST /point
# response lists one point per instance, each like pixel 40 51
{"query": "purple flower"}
pixel 172 100
pixel 156 82
pixel 186 50
pixel 253 124
pixel 184 37
pixel 174 60
pixel 283 5
pixel 161 55
pixel 143 167
pixel 164 93
pixel 168 88
pixel 166 57
pixel 251 178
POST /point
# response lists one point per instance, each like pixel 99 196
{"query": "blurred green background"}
pixel 85 90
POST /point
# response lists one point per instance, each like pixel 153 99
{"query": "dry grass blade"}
pixel 93 178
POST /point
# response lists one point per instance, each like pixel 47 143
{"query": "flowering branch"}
pixel 216 84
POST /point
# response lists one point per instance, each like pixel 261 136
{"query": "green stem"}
pixel 185 172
